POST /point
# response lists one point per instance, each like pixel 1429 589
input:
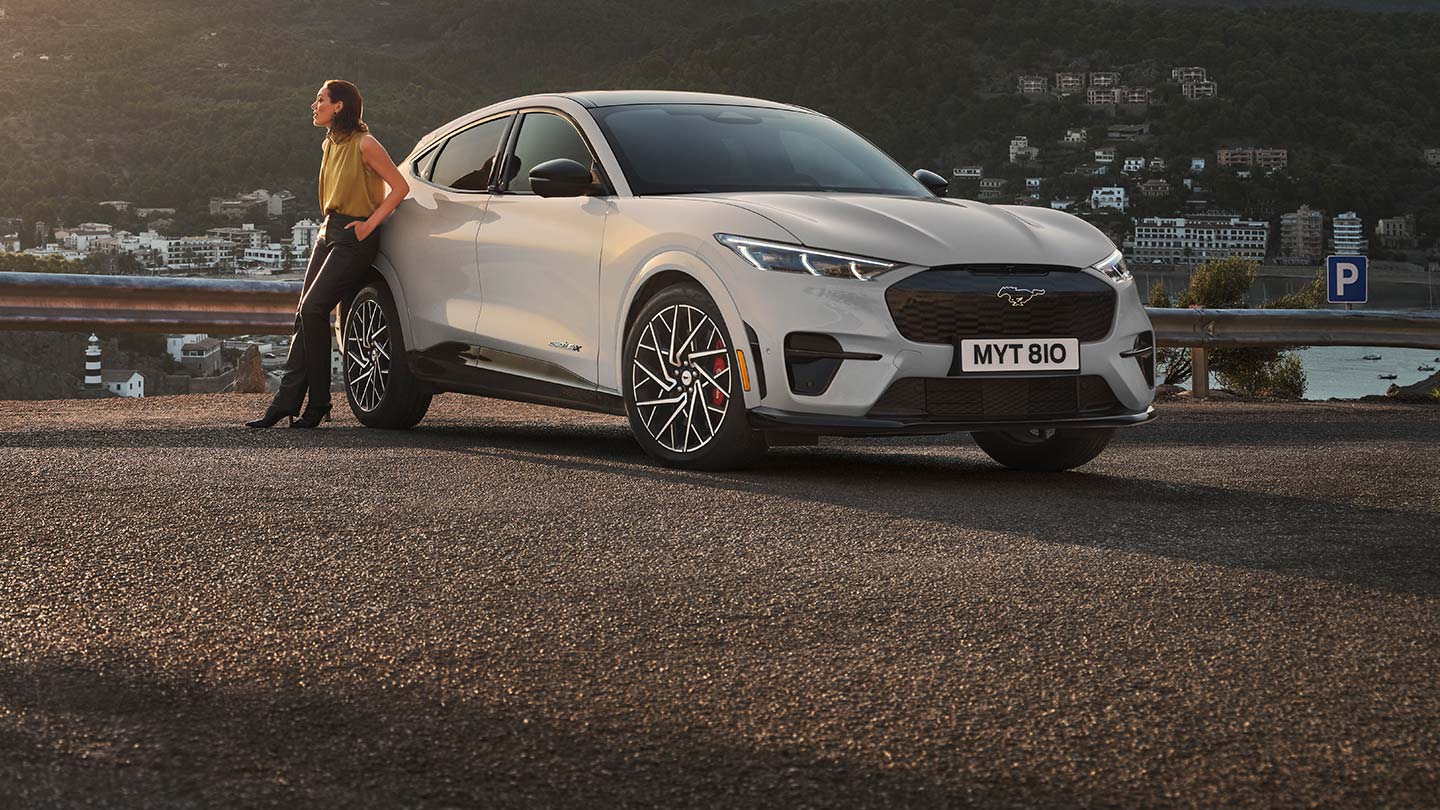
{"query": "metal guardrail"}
pixel 59 302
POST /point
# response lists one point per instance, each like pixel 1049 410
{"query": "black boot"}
pixel 272 415
pixel 313 416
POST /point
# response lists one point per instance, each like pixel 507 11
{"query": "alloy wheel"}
pixel 681 378
pixel 367 354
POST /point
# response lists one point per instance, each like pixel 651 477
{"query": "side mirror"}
pixel 562 177
pixel 932 181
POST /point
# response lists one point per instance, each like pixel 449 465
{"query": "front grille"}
pixel 996 399
pixel 944 303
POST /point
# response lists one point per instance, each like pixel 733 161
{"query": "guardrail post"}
pixel 1200 370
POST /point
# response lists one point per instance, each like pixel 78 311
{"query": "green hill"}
pixel 168 104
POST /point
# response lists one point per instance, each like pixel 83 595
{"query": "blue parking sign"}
pixel 1347 279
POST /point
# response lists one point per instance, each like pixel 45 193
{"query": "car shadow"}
pixel 115 731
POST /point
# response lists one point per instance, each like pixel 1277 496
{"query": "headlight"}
pixel 797 259
pixel 1115 267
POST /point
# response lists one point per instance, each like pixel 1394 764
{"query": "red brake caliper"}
pixel 718 396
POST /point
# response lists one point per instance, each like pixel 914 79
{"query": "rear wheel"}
pixel 1043 449
pixel 682 386
pixel 378 384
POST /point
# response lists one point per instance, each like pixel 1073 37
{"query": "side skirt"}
pixel 458 368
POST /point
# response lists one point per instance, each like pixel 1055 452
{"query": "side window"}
pixel 466 159
pixel 544 136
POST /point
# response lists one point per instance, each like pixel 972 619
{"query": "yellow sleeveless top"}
pixel 347 185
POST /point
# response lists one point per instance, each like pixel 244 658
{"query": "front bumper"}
pixel 856 314
pixel 769 419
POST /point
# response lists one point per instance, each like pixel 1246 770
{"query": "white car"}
pixel 732 273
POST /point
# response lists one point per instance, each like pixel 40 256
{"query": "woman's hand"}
pixel 363 229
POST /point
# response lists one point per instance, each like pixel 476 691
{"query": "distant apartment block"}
pixel 1104 79
pixel 1126 133
pixel 243 237
pixel 1067 84
pixel 1302 236
pixel 1133 165
pixel 1105 154
pixel 1062 205
pixel 1268 159
pixel 1157 164
pixel 118 205
pixel 1348 235
pixel 1158 187
pixel 1199 90
pixel 1197 165
pixel 1080 136
pixel 1032 183
pixel 195 253
pixel 1097 96
pixel 1021 150
pixel 1136 95
pixel 304 233
pixel 963 172
pixel 273 205
pixel 1188 75
pixel 1396 232
pixel 1196 239
pixel 1034 85
pixel 1110 197
pixel 992 187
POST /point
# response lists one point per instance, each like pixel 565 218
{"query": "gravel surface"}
pixel 510 606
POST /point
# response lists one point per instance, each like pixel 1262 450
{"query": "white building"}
pixel 1134 165
pixel 123 382
pixel 1076 136
pixel 1195 240
pixel 1105 155
pixel 304 233
pixel 1110 197
pixel 1021 150
pixel 245 236
pixel 175 344
pixel 268 259
pixel 195 253
pixel 1349 235
pixel 1033 182
pixel 1197 165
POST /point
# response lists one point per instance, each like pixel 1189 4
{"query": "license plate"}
pixel 1048 354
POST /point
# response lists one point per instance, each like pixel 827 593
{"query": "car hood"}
pixel 930 231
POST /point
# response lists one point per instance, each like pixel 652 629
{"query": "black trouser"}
pixel 336 272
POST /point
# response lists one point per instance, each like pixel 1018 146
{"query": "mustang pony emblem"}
pixel 1016 296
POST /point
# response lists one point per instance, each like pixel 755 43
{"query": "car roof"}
pixel 592 99
pixel 616 98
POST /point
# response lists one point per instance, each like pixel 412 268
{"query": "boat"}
pixel 1371 357
pixel 1424 367
pixel 1386 376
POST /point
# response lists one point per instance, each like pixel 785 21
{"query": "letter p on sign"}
pixel 1347 279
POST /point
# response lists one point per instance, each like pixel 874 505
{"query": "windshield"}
pixel 700 148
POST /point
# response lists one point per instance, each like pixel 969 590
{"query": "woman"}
pixel 353 175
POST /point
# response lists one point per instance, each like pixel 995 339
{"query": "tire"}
pixel 1044 450
pixel 378 384
pixel 662 387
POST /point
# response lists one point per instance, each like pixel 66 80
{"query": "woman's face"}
pixel 324 109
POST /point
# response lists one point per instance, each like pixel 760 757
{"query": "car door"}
pixel 431 236
pixel 539 261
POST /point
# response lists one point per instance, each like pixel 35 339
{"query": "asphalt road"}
pixel 1238 605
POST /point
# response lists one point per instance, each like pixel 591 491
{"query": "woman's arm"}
pixel 379 162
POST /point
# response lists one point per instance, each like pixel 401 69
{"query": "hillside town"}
pixel 1160 208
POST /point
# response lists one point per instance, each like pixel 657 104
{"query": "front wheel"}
pixel 378 384
pixel 682 385
pixel 1044 450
